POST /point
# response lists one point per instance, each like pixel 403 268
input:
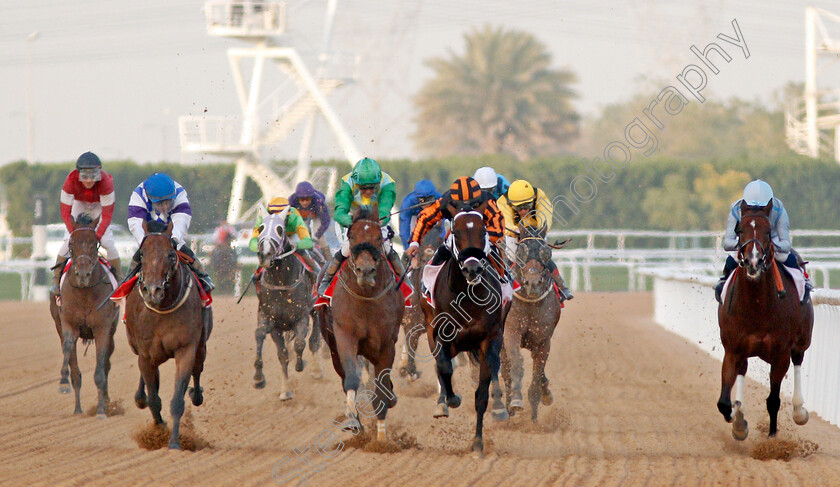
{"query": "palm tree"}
pixel 500 96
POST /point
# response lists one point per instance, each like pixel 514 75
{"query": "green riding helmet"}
pixel 367 171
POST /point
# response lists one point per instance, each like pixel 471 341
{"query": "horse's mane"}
pixel 365 213
pixel 84 219
pixel 154 226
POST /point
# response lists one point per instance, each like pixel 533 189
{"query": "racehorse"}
pixel 413 323
pixel 224 265
pixel 285 299
pixel 530 323
pixel 164 320
pixel 76 315
pixel 756 321
pixel 366 308
pixel 467 316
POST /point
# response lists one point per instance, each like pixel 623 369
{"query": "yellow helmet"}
pixel 521 192
pixel 277 204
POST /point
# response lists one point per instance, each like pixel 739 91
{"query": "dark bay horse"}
pixel 530 323
pixel 86 284
pixel 223 265
pixel 366 311
pixel 413 323
pixel 163 320
pixel 756 322
pixel 285 300
pixel 467 317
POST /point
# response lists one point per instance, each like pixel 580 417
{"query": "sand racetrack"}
pixel 634 405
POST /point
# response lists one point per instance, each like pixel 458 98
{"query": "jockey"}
pixel 491 183
pixel 365 185
pixel 759 193
pixel 424 194
pixel 161 199
pixel 87 189
pixel 530 207
pixel 311 205
pixel 463 195
pixel 296 230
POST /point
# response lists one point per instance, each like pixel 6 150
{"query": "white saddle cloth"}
pixel 797 275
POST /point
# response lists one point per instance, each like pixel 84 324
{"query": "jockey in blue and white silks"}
pixel 162 200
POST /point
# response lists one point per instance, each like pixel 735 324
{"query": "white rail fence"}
pixel 685 305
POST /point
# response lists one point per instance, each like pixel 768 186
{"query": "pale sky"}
pixel 112 76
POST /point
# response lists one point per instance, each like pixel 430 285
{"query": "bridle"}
pixel 543 273
pixel 278 241
pixel 767 254
pixel 463 256
pixel 85 257
pixel 167 281
pixel 375 253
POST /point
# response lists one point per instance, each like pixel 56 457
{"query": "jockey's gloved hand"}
pixel 388 232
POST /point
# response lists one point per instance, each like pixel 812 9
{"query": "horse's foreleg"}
pixel 184 363
pixel 196 392
pixel 384 389
pixel 800 414
pixel 493 359
pixel 283 356
pixel 140 396
pixel 301 330
pixel 315 348
pixel 728 372
pixel 347 350
pixel 481 399
pixel 777 373
pixel 151 376
pixel 515 370
pixel 104 348
pixel 733 371
pixel 68 341
pixel 259 334
pixel 447 398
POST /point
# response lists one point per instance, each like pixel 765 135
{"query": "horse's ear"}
pixel 768 208
pixel 374 208
pixel 95 222
pixel 145 227
pixel 543 232
pixel 744 206
pixel 169 228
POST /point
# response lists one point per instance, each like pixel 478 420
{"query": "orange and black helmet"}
pixel 465 193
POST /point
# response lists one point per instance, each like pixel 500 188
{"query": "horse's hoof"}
pixel 547 398
pixel 101 416
pixel 800 417
pixel 285 396
pixel 317 375
pixel 352 425
pixel 740 428
pixel 500 414
pixel 478 446
pixel 441 411
pixel 197 397
pixel 299 365
pixel 516 405
pixel 78 412
pixel 392 402
pixel 64 389
pixel 140 402
pixel 454 401
pixel 259 384
pixel 176 446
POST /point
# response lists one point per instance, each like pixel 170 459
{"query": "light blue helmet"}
pixel 758 193
pixel 159 187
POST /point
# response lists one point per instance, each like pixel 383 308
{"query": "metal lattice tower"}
pixel 298 96
pixel 810 119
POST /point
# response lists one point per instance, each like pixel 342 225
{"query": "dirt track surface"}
pixel 633 405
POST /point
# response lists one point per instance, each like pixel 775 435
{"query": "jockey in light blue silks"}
pixel 162 200
pixel 759 193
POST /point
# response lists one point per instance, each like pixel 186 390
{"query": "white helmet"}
pixel 758 193
pixel 485 177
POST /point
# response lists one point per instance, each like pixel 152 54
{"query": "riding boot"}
pixel 115 268
pixel 57 269
pixel 203 277
pixel 394 259
pixel 561 284
pixel 727 270
pixel 332 269
pixel 495 258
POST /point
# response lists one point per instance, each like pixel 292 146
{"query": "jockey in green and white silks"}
pixel 365 185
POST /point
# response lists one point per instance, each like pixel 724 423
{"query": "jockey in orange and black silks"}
pixel 759 193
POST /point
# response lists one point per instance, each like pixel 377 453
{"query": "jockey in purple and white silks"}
pixel 163 200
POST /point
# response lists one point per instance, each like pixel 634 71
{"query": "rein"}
pixel 183 292
pixel 180 302
pixel 94 261
pixel 351 264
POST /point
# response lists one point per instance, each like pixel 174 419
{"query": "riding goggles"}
pixel 528 205
pixel 368 187
pixel 425 200
pixel 466 205
pixel 90 174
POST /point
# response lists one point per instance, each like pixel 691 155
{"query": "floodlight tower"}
pixel 808 118
pixel 269 119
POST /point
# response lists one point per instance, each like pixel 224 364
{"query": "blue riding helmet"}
pixel 159 187
pixel 424 187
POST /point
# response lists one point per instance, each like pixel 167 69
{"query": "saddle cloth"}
pixel 125 289
pixel 430 277
pixel 326 299
pixel 797 275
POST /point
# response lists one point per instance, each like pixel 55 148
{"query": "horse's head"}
pixel 365 237
pixel 429 245
pixel 272 239
pixel 755 248
pixel 84 248
pixel 469 236
pixel 532 256
pixel 159 261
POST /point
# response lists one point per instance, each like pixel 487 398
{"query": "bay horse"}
pixel 530 324
pixel 756 322
pixel 76 315
pixel 285 299
pixel 224 265
pixel 467 316
pixel 164 320
pixel 366 310
pixel 413 323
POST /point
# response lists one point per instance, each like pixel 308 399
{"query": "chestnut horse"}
pixel 366 308
pixel 164 320
pixel 285 300
pixel 85 285
pixel 755 321
pixel 468 316
pixel 530 323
